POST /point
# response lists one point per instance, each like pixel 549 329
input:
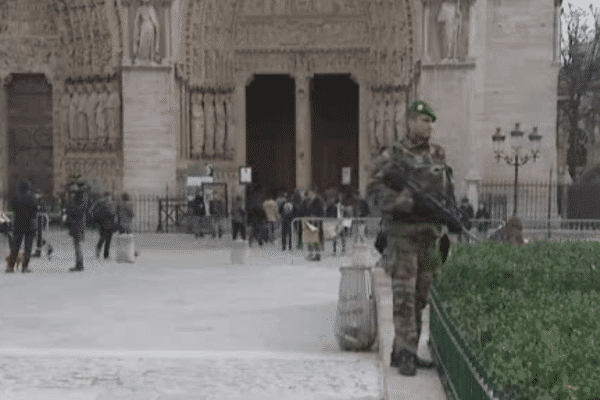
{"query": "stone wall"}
pixel 150 111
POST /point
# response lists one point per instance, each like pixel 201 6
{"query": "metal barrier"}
pixel 351 229
pixel 466 377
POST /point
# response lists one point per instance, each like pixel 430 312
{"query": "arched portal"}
pixel 30 133
pixel 334 119
pixel 270 131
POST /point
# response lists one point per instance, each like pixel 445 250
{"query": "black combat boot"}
pixel 25 266
pixel 78 267
pixel 11 260
pixel 404 360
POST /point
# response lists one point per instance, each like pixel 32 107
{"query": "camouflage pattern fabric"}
pixel 412 256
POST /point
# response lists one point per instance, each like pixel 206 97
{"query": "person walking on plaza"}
pixel 299 213
pixel 238 218
pixel 413 232
pixel 105 212
pixel 287 213
pixel 76 217
pixel 272 217
pixel 198 215
pixel 125 214
pixel 24 206
pixel 313 233
pixel 256 218
pixel 361 210
pixel 218 215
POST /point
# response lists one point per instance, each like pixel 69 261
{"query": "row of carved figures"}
pixel 212 125
pixel 90 116
pixel 386 119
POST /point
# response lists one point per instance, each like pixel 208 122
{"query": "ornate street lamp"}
pixel 516 158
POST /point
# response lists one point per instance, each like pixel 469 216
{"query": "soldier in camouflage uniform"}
pixel 413 233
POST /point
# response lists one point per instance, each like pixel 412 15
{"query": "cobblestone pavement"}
pixel 206 378
pixel 181 323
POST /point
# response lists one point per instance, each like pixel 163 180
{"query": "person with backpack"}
pixel 104 215
pixel 288 214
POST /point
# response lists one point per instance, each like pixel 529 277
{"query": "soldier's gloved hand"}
pixel 404 202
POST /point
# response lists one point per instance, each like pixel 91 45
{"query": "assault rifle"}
pixel 443 208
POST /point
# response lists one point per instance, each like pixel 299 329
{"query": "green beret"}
pixel 422 108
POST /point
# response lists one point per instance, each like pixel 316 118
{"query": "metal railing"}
pixel 466 377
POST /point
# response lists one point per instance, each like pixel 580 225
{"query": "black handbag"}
pixel 381 242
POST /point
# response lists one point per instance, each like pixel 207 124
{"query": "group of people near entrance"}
pixel 268 213
pixel 108 215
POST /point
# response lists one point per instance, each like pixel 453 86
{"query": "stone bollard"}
pixel 356 317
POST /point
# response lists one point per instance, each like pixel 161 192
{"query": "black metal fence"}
pixel 534 200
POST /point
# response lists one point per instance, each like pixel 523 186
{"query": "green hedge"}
pixel 531 315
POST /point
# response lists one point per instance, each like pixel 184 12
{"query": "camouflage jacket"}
pixel 429 171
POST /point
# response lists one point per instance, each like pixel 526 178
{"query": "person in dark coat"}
pixel 24 206
pixel 76 215
pixel 105 217
pixel 287 213
pixel 467 212
pixel 238 218
pixel 256 218
pixel 299 213
pixel 315 209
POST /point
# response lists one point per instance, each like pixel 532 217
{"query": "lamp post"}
pixel 516 158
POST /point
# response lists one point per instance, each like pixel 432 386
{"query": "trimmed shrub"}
pixel 530 315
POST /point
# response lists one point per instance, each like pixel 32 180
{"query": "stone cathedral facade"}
pixel 136 93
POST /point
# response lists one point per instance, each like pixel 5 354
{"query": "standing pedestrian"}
pixel 314 235
pixel 272 217
pixel 218 215
pixel 105 218
pixel 198 215
pixel 41 222
pixel 413 237
pixel 299 213
pixel 287 216
pixel 24 206
pixel 125 214
pixel 238 218
pixel 76 218
pixel 361 210
pixel 256 218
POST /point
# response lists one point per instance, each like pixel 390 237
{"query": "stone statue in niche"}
pixel 101 120
pixel 379 106
pixel 82 120
pixel 197 124
pixel 73 109
pixel 220 125
pixel 92 103
pixel 230 113
pixel 372 123
pixel 209 110
pixel 449 20
pixel 65 105
pixel 113 111
pixel 388 123
pixel 146 33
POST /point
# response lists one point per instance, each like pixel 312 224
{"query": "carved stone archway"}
pixel 225 42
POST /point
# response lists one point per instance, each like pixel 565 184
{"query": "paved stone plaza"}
pixel 181 323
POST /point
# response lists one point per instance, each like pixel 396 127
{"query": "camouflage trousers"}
pixel 413 259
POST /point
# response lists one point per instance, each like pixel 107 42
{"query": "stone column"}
pixel 472 31
pixel 426 55
pixel 364 150
pixel 149 130
pixel 4 80
pixel 240 94
pixel 557 31
pixel 126 34
pixel 303 133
